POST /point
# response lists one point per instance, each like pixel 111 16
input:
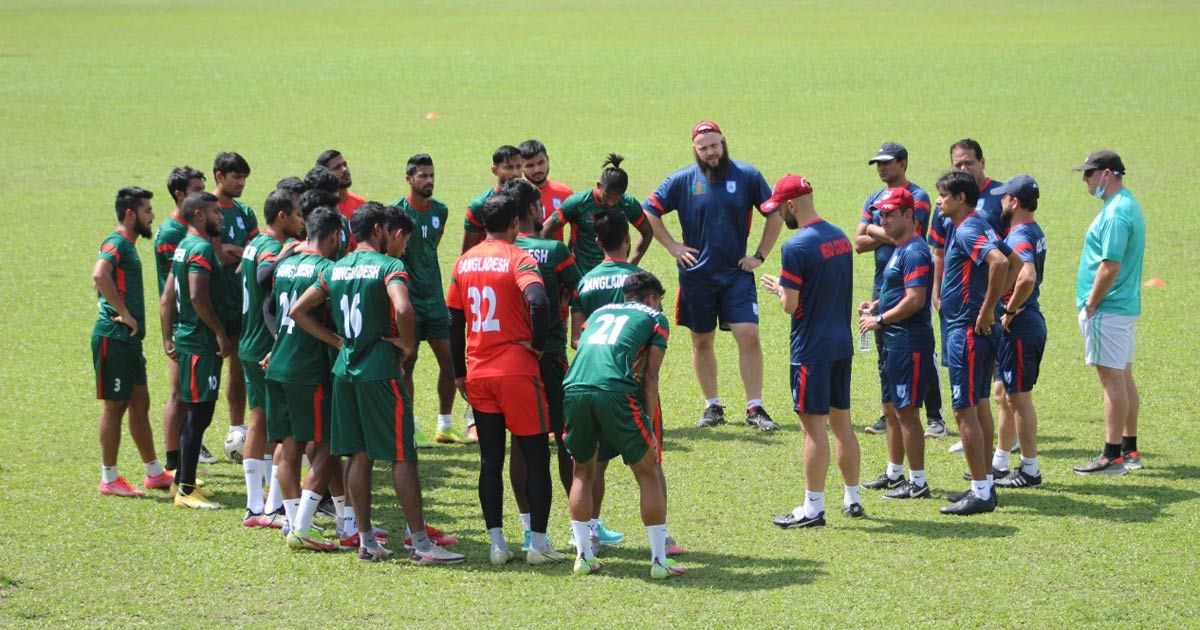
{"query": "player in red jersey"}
pixel 536 168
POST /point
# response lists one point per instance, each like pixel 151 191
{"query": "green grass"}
pixel 102 95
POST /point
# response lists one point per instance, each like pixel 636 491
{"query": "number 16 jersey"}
pixel 488 284
pixel 363 315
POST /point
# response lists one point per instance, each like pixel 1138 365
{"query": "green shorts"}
pixel 256 384
pixel 120 366
pixel 372 416
pixel 299 411
pixel 432 320
pixel 616 420
pixel 199 377
pixel 554 370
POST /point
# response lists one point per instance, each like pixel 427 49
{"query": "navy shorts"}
pixel 816 387
pixel 699 305
pixel 908 374
pixel 971 359
pixel 1020 353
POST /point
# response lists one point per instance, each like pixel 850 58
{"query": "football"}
pixel 235 443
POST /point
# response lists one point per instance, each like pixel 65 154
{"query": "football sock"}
pixel 108 474
pixel 153 468
pixel 583 543
pixel 713 401
pixel 366 541
pixel 1000 459
pixel 850 496
pixel 658 543
pixel 594 525
pixel 1128 443
pixel 173 459
pixel 814 503
pixel 274 499
pixel 444 421
pixel 496 535
pixel 349 524
pixel 470 416
pixel 525 522
pixel 1029 466
pixel 490 427
pixel 916 477
pixel 537 540
pixel 191 438
pixel 339 509
pixel 291 507
pixel 980 489
pixel 752 403
pixel 895 471
pixel 252 469
pixel 309 501
pixel 538 485
pixel 1112 451
pixel 421 542
pixel 267 466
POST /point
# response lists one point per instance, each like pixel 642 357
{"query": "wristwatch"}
pixel 760 257
pixel 879 319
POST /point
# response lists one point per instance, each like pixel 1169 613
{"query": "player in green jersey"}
pixel 426 292
pixel 284 223
pixel 238 226
pixel 117 345
pixel 183 181
pixel 609 388
pixel 193 336
pixel 367 294
pixel 560 274
pixel 580 209
pixel 506 165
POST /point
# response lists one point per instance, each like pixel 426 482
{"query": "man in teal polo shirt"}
pixel 1108 296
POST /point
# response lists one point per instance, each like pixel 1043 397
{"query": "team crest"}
pixel 437 223
pixel 241 224
pixel 700 187
pixel 901 391
pixel 557 203
pixel 730 186
pixel 956 390
pixel 1008 377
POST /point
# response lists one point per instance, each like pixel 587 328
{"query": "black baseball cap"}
pixel 889 151
pixel 1022 187
pixel 1102 159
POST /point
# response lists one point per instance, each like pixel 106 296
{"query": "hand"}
pixel 129 320
pixel 224 346
pixel 749 263
pixel 985 321
pixel 289 247
pixel 864 307
pixel 265 362
pixel 395 341
pixel 461 384
pixel 339 342
pixel 169 348
pixel 528 346
pixel 575 343
pixel 684 254
pixel 1008 317
pixel 771 284
pixel 867 324
pixel 937 302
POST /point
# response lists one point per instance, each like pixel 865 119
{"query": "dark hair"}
pixel 321 178
pixel 196 201
pixel 293 184
pixel 1027 204
pixel 326 156
pixel 614 179
pixel 530 148
pixel 968 144
pixel 499 211
pixel 278 202
pixel 641 284
pixel 178 180
pixel 420 159
pixel 366 217
pixel 960 183
pixel 315 198
pixel 129 199
pixel 322 222
pixel 228 162
pixel 504 154
pixel 398 219
pixel 611 228
pixel 525 193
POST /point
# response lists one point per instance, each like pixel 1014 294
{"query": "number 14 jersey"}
pixel 297 356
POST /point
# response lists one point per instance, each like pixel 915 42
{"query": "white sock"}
pixel 290 508
pixel 814 503
pixel 267 466
pixel 274 499
pixel 1030 466
pixel 583 543
pixel 850 496
pixel 1000 459
pixel 497 536
pixel 980 488
pixel 537 540
pixel 713 401
pixel 252 469
pixel 895 471
pixel 470 416
pixel 349 524
pixel 108 474
pixel 658 543
pixel 752 403
pixel 594 525
pixel 916 477
pixel 153 469
pixel 525 520
pixel 309 501
pixel 444 421
pixel 339 509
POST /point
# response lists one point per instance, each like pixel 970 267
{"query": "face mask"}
pixel 1099 192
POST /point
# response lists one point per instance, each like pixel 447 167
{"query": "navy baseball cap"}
pixel 1023 187
pixel 1102 159
pixel 888 152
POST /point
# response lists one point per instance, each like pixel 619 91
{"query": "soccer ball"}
pixel 235 443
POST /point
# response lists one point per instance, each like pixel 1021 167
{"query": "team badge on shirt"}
pixel 241 224
pixel 437 223
pixel 730 186
pixel 557 204
pixel 700 187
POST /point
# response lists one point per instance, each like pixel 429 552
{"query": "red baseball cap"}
pixel 705 126
pixel 789 186
pixel 894 199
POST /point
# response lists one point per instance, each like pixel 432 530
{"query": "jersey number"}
pixel 285 309
pixel 480 300
pixel 245 295
pixel 609 329
pixel 352 316
pixel 178 297
pixel 424 231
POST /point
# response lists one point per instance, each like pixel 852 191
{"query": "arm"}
pixel 1106 275
pixel 876 232
pixel 913 301
pixel 643 245
pixel 654 359
pixel 264 274
pixel 301 313
pixel 939 267
pixel 550 226
pixel 864 242
pixel 406 317
pixel 577 321
pixel 789 299
pixel 458 348
pixel 198 285
pixel 103 282
pixel 1014 267
pixel 682 253
pixel 470 239
pixel 997 271
pixel 1026 282
pixel 166 315
pixel 770 234
pixel 539 314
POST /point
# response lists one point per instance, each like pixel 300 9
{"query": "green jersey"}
pixel 559 274
pixel 471 222
pixel 238 226
pixel 127 275
pixel 169 234
pixel 421 256
pixel 194 255
pixel 297 356
pixel 344 239
pixel 363 314
pixel 256 339
pixel 604 284
pixel 612 349
pixel 580 210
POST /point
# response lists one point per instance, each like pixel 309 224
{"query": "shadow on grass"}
pixel 672 438
pixel 1140 503
pixel 939 527
pixel 1170 472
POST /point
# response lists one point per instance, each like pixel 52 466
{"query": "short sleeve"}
pixel 867 216
pixel 661 333
pixel 664 199
pixel 567 270
pixel 977 242
pixel 471 223
pixel 1022 246
pixel 568 212
pixel 396 274
pixel 251 223
pixel 1114 238
pixel 202 261
pixel 760 191
pixel 917 270
pixel 453 299
pixel 633 211
pixel 937 230
pixel 111 252
pixel 526 270
pixel 921 210
pixel 791 275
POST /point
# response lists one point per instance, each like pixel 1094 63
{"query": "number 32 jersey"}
pixel 363 315
pixel 487 284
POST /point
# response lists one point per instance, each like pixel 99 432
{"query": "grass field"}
pixel 107 94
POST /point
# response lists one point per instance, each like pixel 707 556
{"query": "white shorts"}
pixel 1108 339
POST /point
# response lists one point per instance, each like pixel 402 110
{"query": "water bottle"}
pixel 864 341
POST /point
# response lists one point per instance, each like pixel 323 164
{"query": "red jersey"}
pixel 347 207
pixel 487 284
pixel 553 195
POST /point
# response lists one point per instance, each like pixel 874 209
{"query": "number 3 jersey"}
pixel 487 284
pixel 298 357
pixel 363 315
pixel 612 348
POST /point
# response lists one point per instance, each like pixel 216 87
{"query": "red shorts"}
pixel 520 399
